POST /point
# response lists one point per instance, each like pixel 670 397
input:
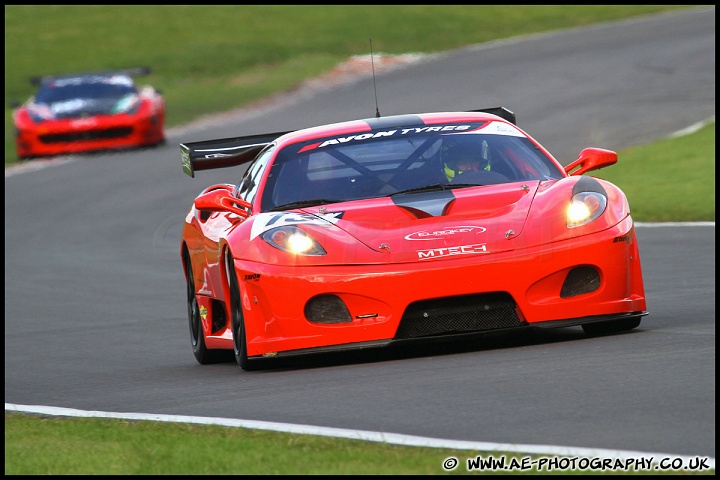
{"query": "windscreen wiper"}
pixel 427 188
pixel 302 204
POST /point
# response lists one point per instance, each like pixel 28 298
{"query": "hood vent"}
pixel 427 204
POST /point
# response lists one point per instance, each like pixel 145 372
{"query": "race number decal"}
pixel 266 221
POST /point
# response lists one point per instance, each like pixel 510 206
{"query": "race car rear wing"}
pixel 230 152
pixel 224 152
pixel 501 112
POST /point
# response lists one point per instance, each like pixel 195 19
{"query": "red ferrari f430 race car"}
pixel 394 229
pixel 89 112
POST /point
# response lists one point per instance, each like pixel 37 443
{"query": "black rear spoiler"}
pixel 225 152
pixel 37 80
pixel 230 152
pixel 501 112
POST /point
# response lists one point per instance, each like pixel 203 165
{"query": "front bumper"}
pixel 72 136
pixel 529 287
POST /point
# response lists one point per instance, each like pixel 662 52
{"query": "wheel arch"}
pixel 224 279
pixel 185 255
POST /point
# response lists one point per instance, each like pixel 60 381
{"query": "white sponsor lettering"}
pixel 385 134
pixel 362 136
pixel 446 128
pixel 451 251
pixel 390 133
pixel 114 80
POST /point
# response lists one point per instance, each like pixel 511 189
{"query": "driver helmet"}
pixel 466 157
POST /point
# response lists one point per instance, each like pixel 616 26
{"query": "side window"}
pixel 248 187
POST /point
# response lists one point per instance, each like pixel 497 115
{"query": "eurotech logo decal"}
pixel 444 232
pixel 452 251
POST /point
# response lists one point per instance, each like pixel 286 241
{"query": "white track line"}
pixel 675 224
pixel 381 437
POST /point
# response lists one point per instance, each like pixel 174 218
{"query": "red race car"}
pixel 89 112
pixel 391 229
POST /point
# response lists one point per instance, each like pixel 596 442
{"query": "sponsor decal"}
pixel 452 251
pixel 203 312
pixel 217 155
pixel 186 160
pixel 495 128
pixel 444 232
pixel 265 221
pixel 400 132
pixel 623 238
pixel 501 128
pixel 87 79
pixel 252 276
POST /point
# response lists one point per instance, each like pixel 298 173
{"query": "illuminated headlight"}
pixel 584 208
pixel 293 240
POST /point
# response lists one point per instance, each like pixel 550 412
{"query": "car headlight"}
pixel 35 117
pixel 293 240
pixel 127 104
pixel 585 207
pixel 39 113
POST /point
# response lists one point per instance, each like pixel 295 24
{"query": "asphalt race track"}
pixel 95 314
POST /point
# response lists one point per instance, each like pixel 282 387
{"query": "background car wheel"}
pixel 613 326
pixel 203 355
pixel 238 321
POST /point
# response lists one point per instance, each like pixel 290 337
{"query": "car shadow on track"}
pixel 450 345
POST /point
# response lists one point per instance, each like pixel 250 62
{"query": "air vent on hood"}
pixel 425 204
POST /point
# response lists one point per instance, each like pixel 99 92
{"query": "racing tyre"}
pixel 203 355
pixel 238 322
pixel 613 326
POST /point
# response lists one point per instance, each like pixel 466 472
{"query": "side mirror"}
pixel 222 200
pixel 591 159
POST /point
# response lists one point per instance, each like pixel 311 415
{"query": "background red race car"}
pixel 89 112
pixel 402 228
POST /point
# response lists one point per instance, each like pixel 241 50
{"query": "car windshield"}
pixel 402 161
pixel 94 87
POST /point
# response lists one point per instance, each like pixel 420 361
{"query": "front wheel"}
pixel 613 326
pixel 238 320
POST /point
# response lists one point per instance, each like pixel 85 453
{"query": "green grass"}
pixel 669 180
pixel 210 59
pixel 37 445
